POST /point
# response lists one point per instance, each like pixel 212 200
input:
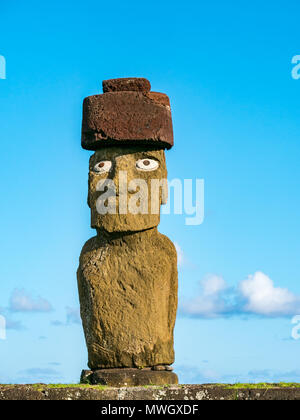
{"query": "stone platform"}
pixel 173 392
pixel 128 377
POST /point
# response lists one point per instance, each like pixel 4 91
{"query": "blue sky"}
pixel 226 67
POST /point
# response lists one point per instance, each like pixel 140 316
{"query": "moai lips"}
pixel 127 113
pixel 127 275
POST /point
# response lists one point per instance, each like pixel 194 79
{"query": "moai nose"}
pixel 124 172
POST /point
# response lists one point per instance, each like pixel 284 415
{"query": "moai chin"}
pixel 127 275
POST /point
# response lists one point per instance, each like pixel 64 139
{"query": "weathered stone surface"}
pixel 128 298
pixel 159 368
pixel 128 377
pixel 138 84
pixel 126 118
pixel 159 98
pixel 124 161
pixel 127 275
pixel 46 392
pixel 173 392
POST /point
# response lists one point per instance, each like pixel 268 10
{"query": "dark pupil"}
pixel 146 162
pixel 101 165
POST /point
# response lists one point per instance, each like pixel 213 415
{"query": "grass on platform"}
pixel 261 385
pixel 41 387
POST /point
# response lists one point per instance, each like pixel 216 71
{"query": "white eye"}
pixel 103 166
pixel 147 164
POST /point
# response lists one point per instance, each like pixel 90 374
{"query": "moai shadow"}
pixel 127 276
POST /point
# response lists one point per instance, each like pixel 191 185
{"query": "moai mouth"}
pixel 128 282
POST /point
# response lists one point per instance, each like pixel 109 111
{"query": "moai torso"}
pixel 128 293
pixel 127 275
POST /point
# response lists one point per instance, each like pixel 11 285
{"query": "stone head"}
pixel 128 127
pixel 127 185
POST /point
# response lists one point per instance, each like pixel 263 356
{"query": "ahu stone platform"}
pixel 172 392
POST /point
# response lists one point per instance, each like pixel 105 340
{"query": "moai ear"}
pixel 88 199
pixel 164 192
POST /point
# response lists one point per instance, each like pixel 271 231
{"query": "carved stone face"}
pixel 126 188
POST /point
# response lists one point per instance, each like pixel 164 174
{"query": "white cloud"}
pixel 180 256
pixel 269 375
pixel 211 302
pixel 263 298
pixel 21 301
pixel 45 375
pixel 213 285
pixel 182 259
pixel 14 325
pixel 72 317
pixel 40 371
pixel 197 374
pixel 255 295
pixel 9 323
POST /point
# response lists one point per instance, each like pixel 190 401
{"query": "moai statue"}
pixel 127 275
